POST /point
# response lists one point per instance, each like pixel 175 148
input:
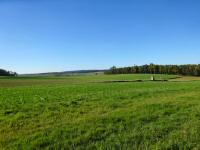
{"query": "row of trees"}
pixel 193 70
pixel 7 73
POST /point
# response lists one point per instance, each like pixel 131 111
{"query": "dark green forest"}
pixel 189 69
pixel 7 73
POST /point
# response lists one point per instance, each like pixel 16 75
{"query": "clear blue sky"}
pixel 58 35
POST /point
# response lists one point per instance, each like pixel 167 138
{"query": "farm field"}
pixel 100 112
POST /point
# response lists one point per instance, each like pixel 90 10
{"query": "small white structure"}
pixel 152 78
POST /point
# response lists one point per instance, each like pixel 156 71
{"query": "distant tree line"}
pixel 7 73
pixel 189 69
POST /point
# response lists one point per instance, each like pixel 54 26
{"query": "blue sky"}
pixel 59 35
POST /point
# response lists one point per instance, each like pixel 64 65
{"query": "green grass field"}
pixel 100 112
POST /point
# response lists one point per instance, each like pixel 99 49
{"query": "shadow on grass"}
pixel 123 81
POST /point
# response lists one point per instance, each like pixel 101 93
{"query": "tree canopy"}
pixel 189 69
pixel 7 73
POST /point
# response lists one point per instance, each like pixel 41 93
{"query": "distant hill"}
pixel 65 73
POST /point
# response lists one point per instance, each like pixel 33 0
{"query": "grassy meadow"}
pixel 100 112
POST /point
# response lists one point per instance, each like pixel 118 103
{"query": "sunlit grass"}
pixel 84 112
